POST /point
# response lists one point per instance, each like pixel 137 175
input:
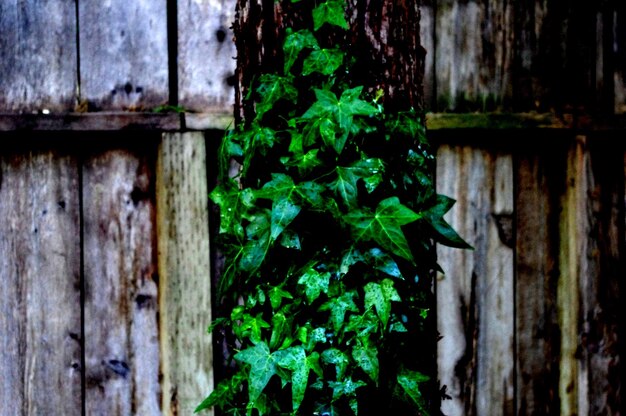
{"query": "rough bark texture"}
pixel 384 36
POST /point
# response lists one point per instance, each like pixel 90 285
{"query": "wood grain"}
pixel 123 54
pixel 184 271
pixel 121 334
pixel 539 183
pixel 474 55
pixel 475 297
pixel 598 168
pixel 40 322
pixel 38 69
pixel 206 55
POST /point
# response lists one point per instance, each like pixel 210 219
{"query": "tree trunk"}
pixel 384 42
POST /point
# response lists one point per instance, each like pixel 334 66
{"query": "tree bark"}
pixel 384 36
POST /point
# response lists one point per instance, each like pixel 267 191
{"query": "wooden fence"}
pixel 105 287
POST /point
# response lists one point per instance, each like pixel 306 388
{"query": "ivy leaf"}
pixel 383 226
pixel 227 197
pixel 380 297
pixel 315 283
pixel 363 325
pixel 276 295
pixel 338 308
pixel 383 262
pixel 445 234
pixel 273 88
pixel 295 42
pixel 331 12
pixel 324 61
pixel 366 357
pixel 224 393
pixel 284 211
pixel 410 382
pixel 347 387
pixel 295 359
pixel 281 190
pixel 253 325
pixel 262 368
pixel 279 329
pixel 368 170
pixel 338 359
pixel 290 239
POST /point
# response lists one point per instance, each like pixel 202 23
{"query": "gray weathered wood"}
pixel 206 54
pixel 40 326
pixel 539 181
pixel 427 39
pixel 184 272
pixel 597 171
pixel 38 47
pixel 474 45
pixel 121 334
pixel 475 297
pixel 123 54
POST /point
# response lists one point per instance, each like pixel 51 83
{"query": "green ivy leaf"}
pixel 262 368
pixel 366 357
pixel 295 360
pixel 295 42
pixel 224 393
pixel 346 387
pixel 445 234
pixel 273 88
pixel 410 382
pixel 280 329
pixel 367 170
pixel 324 61
pixel 380 260
pixel 284 211
pixel 380 297
pixel 315 283
pixel 331 12
pixel 253 325
pixel 276 295
pixel 383 226
pixel 363 325
pixel 338 359
pixel 338 308
pixel 342 111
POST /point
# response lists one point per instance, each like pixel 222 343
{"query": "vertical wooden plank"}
pixel 206 52
pixel 474 54
pixel 599 186
pixel 574 228
pixel 184 272
pixel 427 39
pixel 40 321
pixel 121 334
pixel 475 297
pixel 539 181
pixel 38 49
pixel 123 54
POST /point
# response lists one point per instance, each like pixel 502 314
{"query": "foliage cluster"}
pixel 328 231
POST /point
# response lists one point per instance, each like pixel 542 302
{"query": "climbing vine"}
pixel 327 229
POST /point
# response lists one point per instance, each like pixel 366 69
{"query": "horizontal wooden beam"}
pixel 222 120
pixel 114 121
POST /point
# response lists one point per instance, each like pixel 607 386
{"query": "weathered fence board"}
pixel 527 55
pixel 475 312
pixel 473 54
pixel 121 334
pixel 123 54
pixel 539 181
pixel 40 317
pixel 38 65
pixel 206 54
pixel 184 272
pixel 598 182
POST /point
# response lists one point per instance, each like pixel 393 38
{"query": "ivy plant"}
pixel 328 232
